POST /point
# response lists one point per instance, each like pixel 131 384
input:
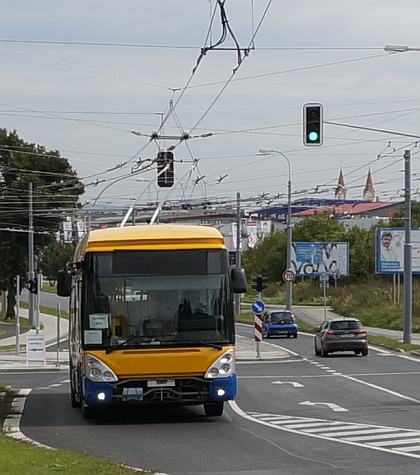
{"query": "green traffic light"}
pixel 313 136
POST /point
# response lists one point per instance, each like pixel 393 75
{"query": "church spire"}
pixel 341 190
pixel 369 191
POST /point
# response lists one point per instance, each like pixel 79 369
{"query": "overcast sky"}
pixel 79 77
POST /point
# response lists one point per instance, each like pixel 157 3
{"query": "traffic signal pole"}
pixel 289 244
pixel 31 256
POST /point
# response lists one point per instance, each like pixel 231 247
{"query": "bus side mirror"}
pixel 238 278
pixel 63 283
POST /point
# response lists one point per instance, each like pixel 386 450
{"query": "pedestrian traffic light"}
pixel 165 167
pixel 258 283
pixel 313 124
pixel 33 286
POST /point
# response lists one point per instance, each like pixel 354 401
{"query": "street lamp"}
pixel 407 271
pixel 399 49
pixel 268 151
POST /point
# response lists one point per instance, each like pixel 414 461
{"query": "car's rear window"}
pixel 281 317
pixel 345 325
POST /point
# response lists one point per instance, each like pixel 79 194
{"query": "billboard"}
pixel 317 258
pixel 390 250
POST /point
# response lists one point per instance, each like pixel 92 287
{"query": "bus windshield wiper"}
pixel 120 345
pixel 204 343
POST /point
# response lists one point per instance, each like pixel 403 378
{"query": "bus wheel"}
pixel 87 411
pixel 214 409
pixel 74 401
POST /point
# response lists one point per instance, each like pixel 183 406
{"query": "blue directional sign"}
pixel 258 306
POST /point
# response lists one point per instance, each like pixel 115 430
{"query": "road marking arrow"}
pixel 331 405
pixel 295 385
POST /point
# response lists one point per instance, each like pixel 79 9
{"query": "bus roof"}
pixel 154 237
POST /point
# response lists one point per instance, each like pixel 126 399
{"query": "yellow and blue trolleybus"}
pixel 152 318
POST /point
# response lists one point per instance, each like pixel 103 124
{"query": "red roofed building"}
pixel 384 209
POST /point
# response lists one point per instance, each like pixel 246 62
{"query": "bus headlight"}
pixel 97 371
pixel 223 367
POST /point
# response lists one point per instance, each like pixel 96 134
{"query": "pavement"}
pixel 247 349
pixel 12 359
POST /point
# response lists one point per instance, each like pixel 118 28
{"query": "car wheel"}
pixel 267 335
pixel 295 335
pixel 365 352
pixel 324 353
pixel 317 352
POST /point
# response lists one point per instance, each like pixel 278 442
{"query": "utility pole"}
pixel 408 292
pixel 31 253
pixel 238 249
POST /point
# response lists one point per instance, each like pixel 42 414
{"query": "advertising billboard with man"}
pixel 390 250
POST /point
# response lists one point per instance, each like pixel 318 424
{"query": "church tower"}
pixel 341 190
pixel 369 191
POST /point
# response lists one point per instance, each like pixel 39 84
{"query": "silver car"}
pixel 341 334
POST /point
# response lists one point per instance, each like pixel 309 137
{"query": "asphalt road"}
pixel 344 414
pixel 48 299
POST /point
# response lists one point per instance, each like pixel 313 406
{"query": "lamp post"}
pixel 268 151
pixel 408 271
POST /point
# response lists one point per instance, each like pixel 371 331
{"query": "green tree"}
pixel 269 257
pixel 398 220
pixel 362 252
pixel 319 228
pixel 55 188
pixel 53 258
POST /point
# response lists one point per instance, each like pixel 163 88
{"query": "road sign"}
pixel 324 278
pixel 35 347
pixel 289 275
pixel 258 306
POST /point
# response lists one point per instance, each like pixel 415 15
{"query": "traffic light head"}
pixel 313 124
pixel 33 286
pixel 165 167
pixel 263 282
pixel 258 283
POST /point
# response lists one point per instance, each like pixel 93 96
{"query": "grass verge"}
pixel 21 458
pixel 46 310
pixel 18 458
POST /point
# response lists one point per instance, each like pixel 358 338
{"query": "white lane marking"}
pixel 331 405
pixel 293 383
pixel 391 435
pixel 331 428
pixel 374 386
pixel 11 425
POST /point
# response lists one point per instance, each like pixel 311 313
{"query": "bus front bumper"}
pixel 186 391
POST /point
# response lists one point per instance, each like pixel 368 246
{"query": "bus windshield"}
pixel 135 299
